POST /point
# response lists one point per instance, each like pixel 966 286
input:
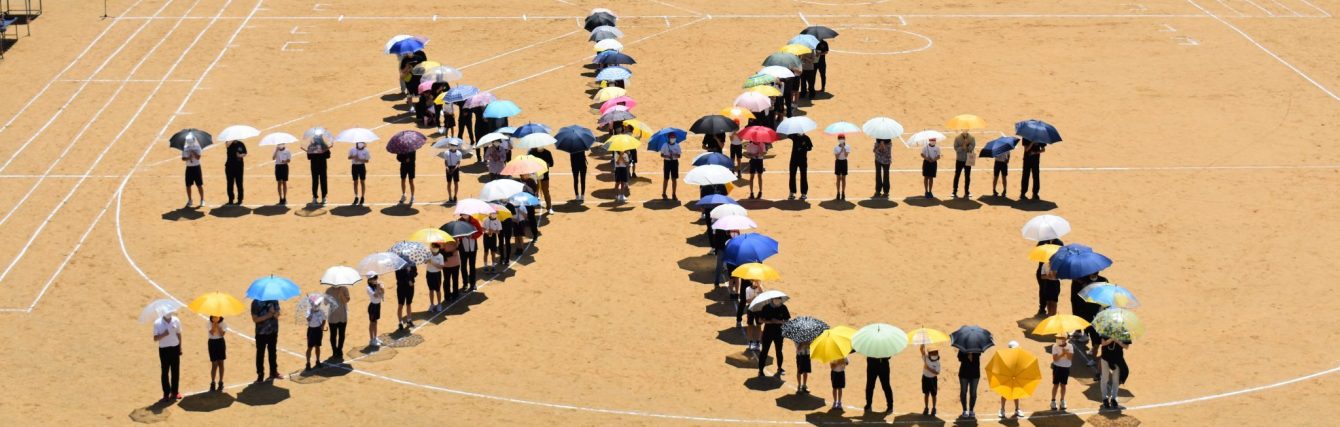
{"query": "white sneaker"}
pixel 1002 414
pixel 1062 404
pixel 965 415
pixel 972 414
pixel 1053 406
pixel 1018 413
pixel 402 199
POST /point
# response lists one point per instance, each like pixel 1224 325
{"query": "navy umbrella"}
pixel 574 139
pixel 747 248
pixel 714 124
pixel 178 140
pixel 528 129
pixel 616 58
pixel 713 158
pixel 1074 261
pixel 1037 131
pixel 972 339
pixel 999 146
pixel 661 137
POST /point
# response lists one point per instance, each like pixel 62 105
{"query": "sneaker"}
pixel 972 414
pixel 837 405
pixel 967 195
pixel 402 199
pixel 953 195
pixel 1062 407
pixel 1002 414
pixel 932 412
pixel 411 200
pixel 791 197
pixel 802 197
pixel 925 411
pixel 1018 413
pixel 964 415
pixel 313 202
pixel 1053 405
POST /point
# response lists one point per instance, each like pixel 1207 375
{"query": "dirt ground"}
pixel 1196 156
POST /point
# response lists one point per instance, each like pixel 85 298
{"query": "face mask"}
pixel 436 250
pixel 776 303
pixel 935 358
pixel 359 146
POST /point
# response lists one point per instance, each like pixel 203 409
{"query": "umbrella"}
pixel 613 74
pixel 238 133
pixel 1119 323
pixel 616 58
pixel 766 90
pixel 503 213
pixel 751 247
pixel 805 40
pixel 412 252
pixel 393 40
pixel 609 93
pixel 457 94
pixel 716 199
pixel 709 175
pixel 158 308
pixel 599 19
pixel 796 49
pixel 1037 131
pixel 713 158
pixel 999 146
pixel 1045 227
pixel 1075 261
pixel 737 114
pixel 926 336
pixel 465 153
pixel 841 128
pixel 803 329
pixel 523 165
pixel 777 71
pixel 728 210
pixel 429 236
pixel 965 122
pixel 535 140
pixel 760 134
pixel 278 138
pixel 406 46
pixel 1043 253
pixel 319 134
pixel 921 139
pixel 530 128
pixel 480 99
pixel 179 139
pixel 501 109
pixel 356 135
pixel 753 101
pixel 574 139
pixel 763 299
pixel 760 79
pixel 796 125
pixel 622 143
pixel 272 288
pixel 1060 324
pixel 783 59
pixel 663 136
pixel 441 74
pixel 639 130
pixel 1109 295
pixel 406 141
pixel 972 339
pixel 474 206
pixel 524 199
pixel 733 223
pixel 604 11
pixel 321 302
pixel 882 128
pixel 713 124
pixel 500 189
pixel 216 304
pixel 1013 373
pixel 423 67
pixel 449 142
pixel 820 32
pixel 381 263
pixel 608 44
pixel 755 270
pixel 490 138
pixel 879 340
pixel 832 345
pixel 625 101
pixel 459 228
pixel 340 276
pixel 615 116
pixel 605 32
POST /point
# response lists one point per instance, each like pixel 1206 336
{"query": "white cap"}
pixel 1014 344
pixel 370 274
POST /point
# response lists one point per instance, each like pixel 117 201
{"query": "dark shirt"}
pixel 970 365
pixel 405 276
pixel 545 155
pixel 406 158
pixel 233 150
pixel 770 312
pixel 578 161
pixel 1033 149
pixel 1114 354
pixel 800 146
pixel 822 47
pixel 260 308
pixel 1056 242
pixel 319 157
pixel 1078 306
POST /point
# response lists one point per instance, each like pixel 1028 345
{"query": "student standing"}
pixel 821 64
pixel 492 233
pixel 772 316
pixel 578 163
pixel 265 314
pixel 670 153
pixel 965 156
pixel 359 156
pixel 877 368
pixel 755 151
pixel 1086 310
pixel 838 377
pixel 448 119
pixel 167 333
pixel 406 175
pixel 1017 412
pixel 316 324
pixel 803 367
pixel 281 158
pixel 930 158
pixel 218 352
pixel 930 380
pixel 1063 356
pixel 451 270
pixel 840 153
pixel 404 294
pixel 800 164
pixel 233 168
pixel 1049 289
pixel 190 154
pixel 317 154
pixel 465 124
pixel 338 320
pixel 505 236
pixel 434 278
pixel 452 160
pixel 737 151
pixel 883 160
pixel 497 159
pixel 548 158
pixel 751 329
pixel 969 373
pixel 376 294
pixel 468 247
pixel 1032 167
pixel 621 163
pixel 1000 172
pixel 1113 362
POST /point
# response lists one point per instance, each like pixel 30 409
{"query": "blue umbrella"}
pixel 524 199
pixel 528 129
pixel 409 45
pixel 661 137
pixel 574 139
pixel 713 158
pixel 501 109
pixel 616 58
pixel 1037 131
pixel 999 146
pixel 971 339
pixel 805 40
pixel 459 93
pixel 614 73
pixel 1074 261
pixel 600 56
pixel 716 199
pixel 1109 295
pixel 272 288
pixel 747 248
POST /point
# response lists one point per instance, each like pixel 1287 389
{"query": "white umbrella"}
pixel 158 308
pixel 491 138
pixel 608 44
pixel 535 140
pixel 501 189
pixel 381 263
pixel 882 128
pixel 709 175
pixel 356 135
pixel 920 139
pixel 763 298
pixel 449 142
pixel 474 207
pixel 726 210
pixel 777 71
pixel 237 133
pixel 796 125
pixel 733 223
pixel 341 276
pixel 278 138
pixel 1045 227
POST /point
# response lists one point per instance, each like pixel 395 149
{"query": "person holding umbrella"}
pixel 752 331
pixel 821 64
pixel 451 269
pixel 930 158
pixel 970 341
pixel 404 294
pixel 233 169
pixel 167 333
pixel 930 380
pixel 755 151
pixel 406 174
pixel 737 149
pixel 622 161
pixel 338 319
pixel 670 153
pixel 376 294
pixel 433 274
pixel 1049 289
pixel 1113 361
pixel 1063 355
pixel 840 153
pixel 1032 168
pixel 190 155
pixel 317 155
pixel 265 314
pixel 281 158
pixel 316 324
pixel 359 156
pixel 800 164
pixel 965 156
pixel 452 159
pixel 803 330
pixel 465 123
pixel 1014 361
pixel 772 316
pixel 543 153
pixel 218 351
pixel 883 160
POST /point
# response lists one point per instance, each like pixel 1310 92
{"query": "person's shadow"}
pixel 157 412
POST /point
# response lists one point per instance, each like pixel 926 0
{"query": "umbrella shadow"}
pixel 399 210
pixel 916 419
pixel 721 309
pixel 604 193
pixel 331 370
pixel 528 255
pixel 837 205
pixel 615 206
pixel 262 394
pixel 463 306
pixel 1095 393
pixel 1055 419
pixel 700 240
pixel 157 412
pixel 1113 419
pixel 745 360
pixel 396 96
pixel 350 211
pixel 719 294
pixel 800 402
pixel 921 202
pixel 791 205
pixel 701 268
pixel 399 106
pixel 880 203
pixel 188 214
pixel 1026 326
pixel 1034 205
pixel 764 383
pixel 475 168
pixel 271 210
pixel 572 206
pixel 206 402
pixel 230 211
pixel 311 210
pixel 605 166
pixel 733 336
pixel 963 204
pixel 662 204
pixel 405 117
pixel 996 201
pixel 757 204
pixel 965 422
pixel 590 74
pixel 829 417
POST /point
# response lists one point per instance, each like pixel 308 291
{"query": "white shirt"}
pixel 453 158
pixel 934 365
pixel 735 139
pixel 372 294
pixel 315 318
pixel 931 152
pixel 282 157
pixel 360 156
pixel 492 224
pixel 1057 350
pixel 671 151
pixel 191 154
pixel 172 327
pixel 434 261
pixel 223 325
pixel 750 294
pixel 1004 157
pixel 842 151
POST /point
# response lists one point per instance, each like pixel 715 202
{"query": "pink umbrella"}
pixel 480 99
pixel 473 207
pixel 753 101
pixel 424 87
pixel 734 222
pixel 624 101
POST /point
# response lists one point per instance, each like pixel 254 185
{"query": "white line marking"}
pixel 1187 41
pixel 66 262
pixel 295 31
pixel 802 18
pixel 56 176
pixel 928 40
pixel 320 7
pixel 1267 51
pixel 1324 13
pixel 126 80
pixel 694 12
pixel 901 21
pixel 286 47
pixel 1266 11
pixel 738 16
pixel 1285 7
pixel 1239 12
pixel 1168 29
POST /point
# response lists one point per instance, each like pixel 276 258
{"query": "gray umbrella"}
pixel 414 252
pixel 972 339
pixel 803 329
pixel 458 228
pixel 783 59
pixel 615 116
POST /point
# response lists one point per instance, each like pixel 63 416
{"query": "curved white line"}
pixel 928 40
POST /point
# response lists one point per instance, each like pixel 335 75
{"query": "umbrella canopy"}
pixel 755 270
pixel 459 229
pixel 841 128
pixel 381 263
pixel 423 67
pixel 766 90
pixel 1037 131
pixel 319 134
pixel 490 138
pixel 530 128
pixel 972 339
pixel 1060 324
pixel 406 46
pixel 574 139
pixel 1045 227
pixel 480 99
pixel 1043 253
pixel 727 210
pixel 714 124
pixel 608 44
pixel 820 32
pixel 1075 261
pixel 441 74
pixel 753 101
pixel 179 139
pixel 734 223
pixel 605 32
pixel 340 276
pixel 535 140
pixel 1119 323
pixel 501 109
pixel 622 143
pixel 524 165
pixel 716 199
pixel 921 139
pixel 638 129
pixel 832 345
pixel 613 74
pixel 796 125
pixel 425 86
pixel 737 114
pixel 457 94
pixel 805 40
pixel 450 142
pixel 393 40
pixel 796 49
pixel 474 206
pixel 429 236
pixel 760 79
pixel 882 128
pixel 662 137
pixel 615 115
pixel 624 101
pixel 879 340
pixel 238 133
pixel 713 158
pixel 314 301
pixel 413 252
pixel 278 138
pixel 406 141
pixel 999 146
pixel 599 19
pixel 503 213
pixel 777 71
pixel 500 189
pixel 217 304
pixel 356 135
pixel 803 329
pixel 158 308
pixel 524 199
pixel 926 336
pixel 609 93
pixel 759 134
pixel 709 175
pixel 965 122
pixel 616 58
pixel 766 297
pixel 1013 373
pixel 1109 295
pixel 783 59
pixel 272 288
pixel 752 247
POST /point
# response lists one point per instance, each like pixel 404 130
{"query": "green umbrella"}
pixel 879 340
pixel 783 59
pixel 759 80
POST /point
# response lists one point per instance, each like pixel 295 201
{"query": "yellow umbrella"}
pixel 1043 253
pixel 424 67
pixel 795 49
pixel 503 213
pixel 729 188
pixel 430 236
pixel 217 304
pixel 756 271
pixel 641 131
pixel 926 336
pixel 739 114
pixel 766 90
pixel 965 121
pixel 609 93
pixel 1013 373
pixel 1060 324
pixel 622 143
pixel 834 344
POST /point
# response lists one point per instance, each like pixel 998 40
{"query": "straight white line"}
pixel 1266 11
pixel 35 176
pixel 1239 12
pixel 802 18
pixel 124 80
pixel 1285 7
pixel 66 262
pixel 1267 51
pixel 733 16
pixel 694 12
pixel 1324 13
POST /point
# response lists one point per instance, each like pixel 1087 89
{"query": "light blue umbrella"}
pixel 501 109
pixel 805 40
pixel 716 199
pixel 524 199
pixel 1109 295
pixel 272 288
pixel 459 93
pixel 613 74
pixel 841 128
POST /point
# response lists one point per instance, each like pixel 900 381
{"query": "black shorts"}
pixel 519 228
pixel 407 170
pixel 374 311
pixel 404 294
pixel 360 172
pixel 1051 290
pixel 803 364
pixel 1060 375
pixel 840 167
pixel 491 242
pixel 281 172
pixel 928 169
pixel 930 385
pixel 434 281
pixel 671 169
pixel 736 151
pixel 632 157
pixel 839 379
pixel 1001 168
pixel 453 174
pixel 750 318
pixel 313 336
pixel 755 165
pixel 621 174
pixel 218 350
pixel 194 176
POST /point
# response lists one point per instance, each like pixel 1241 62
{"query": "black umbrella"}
pixel 178 139
pixel 574 139
pixel 599 19
pixel 803 329
pixel 714 124
pixel 458 228
pixel 972 339
pixel 820 32
pixel 615 58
